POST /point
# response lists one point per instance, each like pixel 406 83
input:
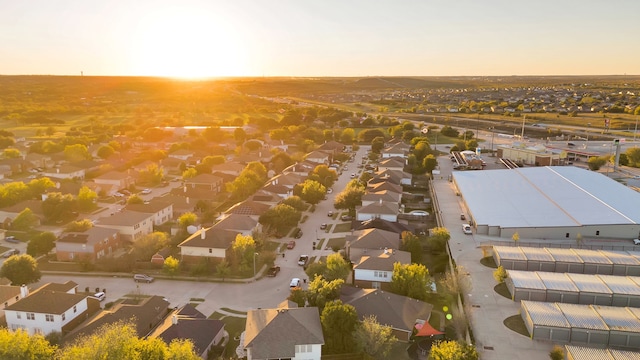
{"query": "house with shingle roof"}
pixel 45 311
pixel 9 294
pixel 161 211
pixel 113 181
pixel 398 149
pixel 382 209
pixel 374 269
pixel 231 168
pixel 204 182
pixel 283 333
pixel 90 245
pixel 384 195
pixel 130 224
pixel 319 157
pixel 248 207
pixel 392 163
pixel 64 172
pixel 9 213
pixel 362 242
pixel 401 313
pixel 187 323
pixel 385 185
pixel 214 242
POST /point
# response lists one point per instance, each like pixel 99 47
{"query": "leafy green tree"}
pixel 171 266
pixel 324 175
pixel 438 239
pixel 374 339
pixel 135 199
pixel 223 269
pixel 348 136
pixel 453 350
pixel 322 291
pixel 244 249
pixel 316 268
pixel 557 353
pixel 312 192
pixel 105 151
pixel 367 135
pixel 295 202
pixel 429 163
pixel 58 207
pixel 78 226
pixel 298 296
pixel 41 244
pixel 151 175
pixel 337 267
pixel 280 161
pixel 280 218
pixel 20 269
pixel 411 243
pixel 349 198
pixel 87 199
pixel 410 280
pixel 13 192
pixel 19 345
pixel 596 162
pixel 76 152
pixel 147 245
pixel 339 321
pixel 500 274
pixel 187 219
pixel 633 155
pixel 250 179
pixel 190 173
pixel 377 144
pixel 25 220
pixel 39 186
pixel 11 153
pixel 119 341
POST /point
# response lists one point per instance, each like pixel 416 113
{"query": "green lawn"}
pixel 344 227
pixel 336 242
pixel 234 326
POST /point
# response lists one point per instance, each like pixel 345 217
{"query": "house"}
pixel 362 242
pixel 131 225
pixel 91 245
pixel 215 241
pixel 386 185
pixel 288 180
pixel 46 310
pixel 319 157
pixel 332 147
pixel 374 269
pixel 251 208
pixel 397 177
pixel 401 313
pixel 159 257
pixel 398 149
pixel 181 154
pixel 180 204
pixel 145 314
pixel 64 172
pixel 392 163
pixel 384 195
pixel 9 213
pixel 9 294
pixel 283 333
pixel 394 227
pixel 160 211
pixel 230 168
pixel 113 181
pixel 205 182
pixel 383 210
pixel 187 323
pixel 266 197
pixel 281 191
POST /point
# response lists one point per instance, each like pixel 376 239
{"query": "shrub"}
pixel 500 274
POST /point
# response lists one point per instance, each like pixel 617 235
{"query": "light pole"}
pixel 634 133
pixel 254 264
pixel 492 133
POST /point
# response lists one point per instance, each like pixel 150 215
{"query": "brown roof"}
pixel 8 292
pixel 47 301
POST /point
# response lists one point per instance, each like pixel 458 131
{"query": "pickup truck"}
pixel 273 271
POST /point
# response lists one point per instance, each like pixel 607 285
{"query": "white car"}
pixel 466 228
pixel 302 261
pixel 636 241
pixel 419 213
pixel 100 296
pixel 146 191
pixel 295 282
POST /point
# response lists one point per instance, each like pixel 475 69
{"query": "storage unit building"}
pixel 545 321
pixel 595 262
pixel 587 327
pixel 626 292
pixel 624 329
pixel 538 259
pixel 560 288
pixel 525 285
pixel 510 258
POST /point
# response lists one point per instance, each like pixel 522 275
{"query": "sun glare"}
pixel 181 44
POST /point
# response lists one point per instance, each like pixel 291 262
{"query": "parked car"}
pixel 330 214
pixel 346 217
pixel 466 228
pixel 353 175
pixel 329 190
pixel 462 217
pixel 143 278
pixel 636 241
pixel 125 192
pixel 273 271
pixel 302 261
pixel 100 295
pixel 12 239
pixel 11 253
pixel 295 282
pixel 323 226
pixel 291 244
pixel 298 234
pixel 145 191
pixel 419 213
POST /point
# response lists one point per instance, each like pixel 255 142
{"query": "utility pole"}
pixel 634 133
pixel 524 118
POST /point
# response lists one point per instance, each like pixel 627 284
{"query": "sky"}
pixel 213 38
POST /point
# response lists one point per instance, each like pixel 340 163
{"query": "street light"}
pixel 254 264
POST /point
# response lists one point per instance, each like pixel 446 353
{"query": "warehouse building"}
pixel 552 202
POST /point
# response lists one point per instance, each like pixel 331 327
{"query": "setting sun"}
pixel 182 44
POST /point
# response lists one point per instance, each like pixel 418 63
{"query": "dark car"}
pixel 273 271
pixel 298 234
pixel 12 239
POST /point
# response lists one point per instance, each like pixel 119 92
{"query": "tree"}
pixel 105 151
pixel 120 341
pixel 453 350
pixel 147 245
pixel 19 345
pixel 223 269
pixel 280 218
pixel 377 144
pixel 58 207
pixel 312 192
pixel 374 339
pixel 557 353
pixel 41 244
pixel 171 266
pixel 348 136
pixel 76 152
pixel 295 202
pixel 339 322
pixel 324 175
pixel 515 237
pixel 135 199
pixel 500 274
pixel 429 163
pixel 20 269
pixel 349 198
pixel 337 267
pixel 11 153
pixel 189 173
pixel 280 161
pixel 244 249
pixel 39 186
pixel 633 155
pixel 25 220
pixel 151 175
pixel 87 199
pixel 410 280
pixel 322 291
pixel 298 296
pixel 187 219
pixel 411 243
pixel 438 239
pixel 78 226
pixel 596 162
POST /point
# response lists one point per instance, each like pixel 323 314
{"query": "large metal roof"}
pixel 581 316
pixel 526 280
pixel 552 196
pixel 544 313
pixel 557 281
pixel 589 283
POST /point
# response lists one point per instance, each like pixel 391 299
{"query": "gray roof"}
pixel 386 207
pixel 615 319
pixel 383 260
pixel 587 353
pixel 526 280
pixel 124 218
pixel 583 317
pixel 557 281
pixel 374 239
pixel 544 313
pixel 274 333
pixel 589 283
pixel 47 301
pixel 555 196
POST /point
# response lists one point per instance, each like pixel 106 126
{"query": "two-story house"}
pixel 90 245
pixel 161 211
pixel 362 242
pixel 45 311
pixel 375 268
pixel 111 182
pixel 205 182
pixel 131 225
